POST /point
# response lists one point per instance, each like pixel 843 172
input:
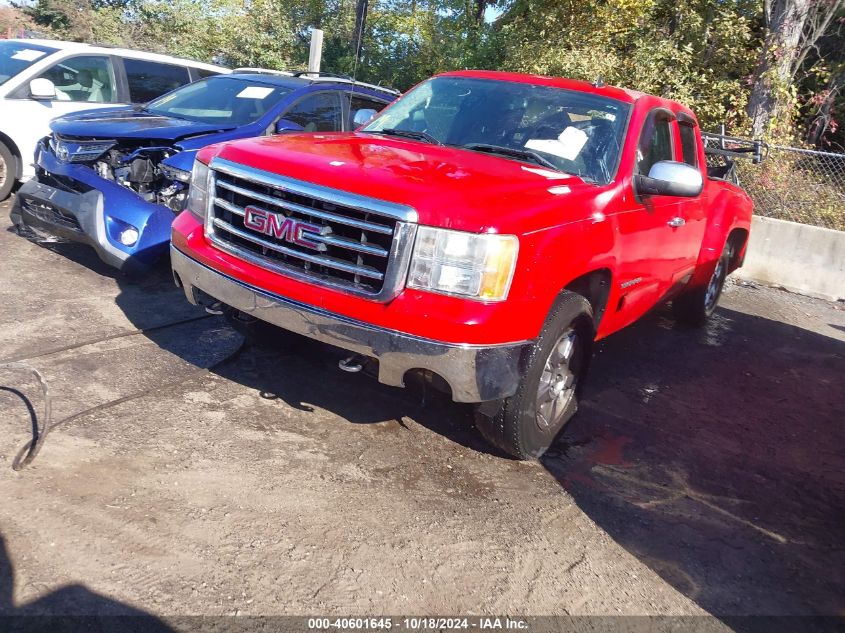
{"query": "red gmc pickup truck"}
pixel 484 230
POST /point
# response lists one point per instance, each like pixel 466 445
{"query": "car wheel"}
pixel 527 423
pixel 8 171
pixel 695 306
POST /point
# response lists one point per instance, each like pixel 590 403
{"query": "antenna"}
pixel 599 82
pixel 361 23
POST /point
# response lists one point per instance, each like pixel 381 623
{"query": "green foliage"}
pixel 700 53
pixel 227 31
pixel 407 42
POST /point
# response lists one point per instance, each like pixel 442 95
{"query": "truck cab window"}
pixel 688 145
pixel 655 142
pixel 84 78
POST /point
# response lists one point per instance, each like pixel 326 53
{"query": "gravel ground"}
pixel 703 473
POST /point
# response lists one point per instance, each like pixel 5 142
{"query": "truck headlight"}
pixel 475 265
pixel 198 191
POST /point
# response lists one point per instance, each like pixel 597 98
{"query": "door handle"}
pixel 676 222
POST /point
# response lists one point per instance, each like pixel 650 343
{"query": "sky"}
pixel 490 13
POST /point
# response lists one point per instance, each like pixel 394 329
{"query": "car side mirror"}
pixel 285 125
pixel 42 88
pixel 670 178
pixel 362 116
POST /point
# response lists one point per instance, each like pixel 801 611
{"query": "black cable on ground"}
pixel 31 449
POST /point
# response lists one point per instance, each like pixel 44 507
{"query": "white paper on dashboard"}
pixel 567 145
pixel 28 55
pixel 547 173
pixel 254 92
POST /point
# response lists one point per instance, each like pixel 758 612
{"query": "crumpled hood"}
pixel 129 123
pixel 448 187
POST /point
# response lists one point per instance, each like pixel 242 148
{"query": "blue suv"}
pixel 115 179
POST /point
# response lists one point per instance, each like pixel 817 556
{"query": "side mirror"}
pixel 42 88
pixel 670 178
pixel 284 125
pixel 363 116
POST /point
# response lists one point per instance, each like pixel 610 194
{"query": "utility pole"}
pixel 316 53
pixel 361 9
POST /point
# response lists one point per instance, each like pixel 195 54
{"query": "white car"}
pixel 44 79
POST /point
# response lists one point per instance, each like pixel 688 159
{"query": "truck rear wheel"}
pixel 8 171
pixel 696 306
pixel 527 423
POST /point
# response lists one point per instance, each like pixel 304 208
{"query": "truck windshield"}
pixel 15 57
pixel 570 131
pixel 228 101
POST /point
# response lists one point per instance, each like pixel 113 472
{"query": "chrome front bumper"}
pixel 476 373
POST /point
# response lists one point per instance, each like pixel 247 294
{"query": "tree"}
pixel 823 89
pixel 700 52
pixel 792 29
pixel 12 21
pixel 361 9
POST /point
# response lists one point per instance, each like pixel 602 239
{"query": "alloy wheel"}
pixel 714 288
pixel 558 381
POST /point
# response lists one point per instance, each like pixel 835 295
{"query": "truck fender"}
pixel 555 268
pixel 729 214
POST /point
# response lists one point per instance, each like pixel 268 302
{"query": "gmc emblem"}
pixel 284 228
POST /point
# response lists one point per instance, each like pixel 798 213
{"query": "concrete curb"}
pixel 809 260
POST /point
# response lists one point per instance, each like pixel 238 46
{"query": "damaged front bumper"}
pixel 71 202
pixel 475 373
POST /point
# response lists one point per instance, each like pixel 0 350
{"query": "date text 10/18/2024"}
pixel 420 623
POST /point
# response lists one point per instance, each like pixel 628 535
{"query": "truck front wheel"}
pixel 527 423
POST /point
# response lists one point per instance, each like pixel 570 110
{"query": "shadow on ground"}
pixel 714 456
pixel 69 609
pixel 300 372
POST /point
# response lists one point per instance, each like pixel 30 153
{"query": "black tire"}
pixel 695 306
pixel 258 332
pixel 8 171
pixel 516 428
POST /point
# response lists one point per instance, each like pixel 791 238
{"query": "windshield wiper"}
pixel 412 134
pixel 521 154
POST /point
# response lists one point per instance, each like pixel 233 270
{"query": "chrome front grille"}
pixel 348 242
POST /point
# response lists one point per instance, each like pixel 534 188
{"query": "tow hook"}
pixel 353 364
pixel 215 308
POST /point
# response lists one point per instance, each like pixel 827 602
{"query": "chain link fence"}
pixel 790 183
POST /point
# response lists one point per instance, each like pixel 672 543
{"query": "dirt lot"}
pixel 704 473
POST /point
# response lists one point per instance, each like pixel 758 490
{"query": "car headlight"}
pixel 474 265
pixel 198 191
pixel 173 173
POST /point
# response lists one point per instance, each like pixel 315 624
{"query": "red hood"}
pixel 448 187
